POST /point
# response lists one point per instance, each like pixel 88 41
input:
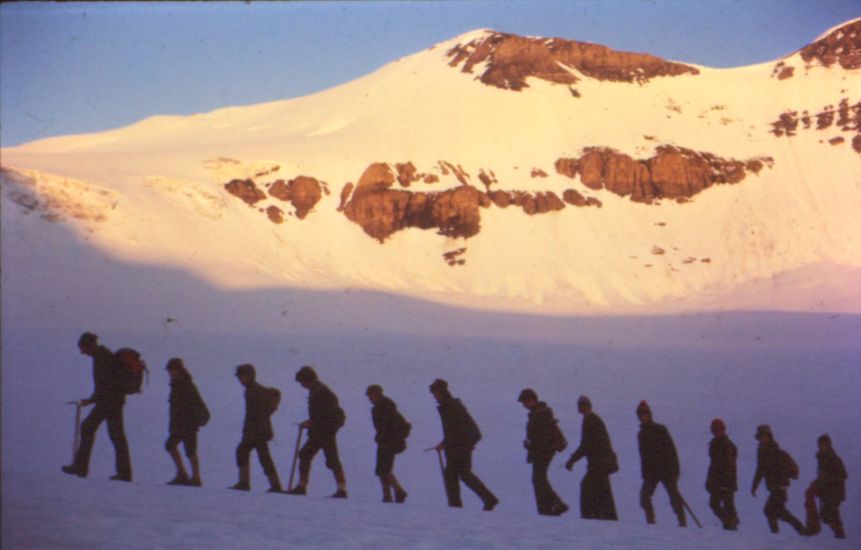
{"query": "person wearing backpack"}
pixel 775 466
pixel 460 435
pixel 188 413
pixel 721 480
pixel 109 398
pixel 830 484
pixel 543 441
pixel 659 463
pixel 391 439
pixel 596 494
pixel 325 418
pixel 256 431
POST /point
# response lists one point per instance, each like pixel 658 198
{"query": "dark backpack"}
pixel 273 399
pixel 133 368
pixel 402 427
pixel 341 417
pixel 788 467
pixel 557 438
pixel 201 412
pixel 473 433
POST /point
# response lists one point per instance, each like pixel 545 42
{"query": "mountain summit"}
pixel 492 170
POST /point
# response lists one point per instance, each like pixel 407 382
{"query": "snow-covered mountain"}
pixel 491 170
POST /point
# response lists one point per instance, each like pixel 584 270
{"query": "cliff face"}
pixel 510 59
pixel 842 46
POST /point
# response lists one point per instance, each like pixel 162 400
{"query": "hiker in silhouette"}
pixel 109 398
pixel 659 463
pixel 721 481
pixel 830 485
pixel 542 443
pixel 596 494
pixel 256 431
pixel 391 439
pixel 772 464
pixel 188 413
pixel 460 435
pixel 325 418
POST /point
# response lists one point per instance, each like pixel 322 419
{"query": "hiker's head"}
pixel 246 374
pixel 763 433
pixel 374 393
pixel 584 405
pixel 528 397
pixel 718 427
pixel 824 442
pixel 87 343
pixel 306 376
pixel 644 412
pixel 176 369
pixel 439 389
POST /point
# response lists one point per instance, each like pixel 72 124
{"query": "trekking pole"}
pixel 441 463
pixel 691 512
pixel 76 442
pixel 295 458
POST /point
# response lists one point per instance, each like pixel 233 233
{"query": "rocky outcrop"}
pixel 275 214
pixel 841 46
pixel 538 173
pixel 406 173
pixel 845 117
pixel 575 198
pixel 382 211
pixel 303 193
pixel 452 257
pixel 672 173
pixel 510 59
pixel 246 190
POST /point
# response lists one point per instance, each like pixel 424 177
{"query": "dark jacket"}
pixel 768 467
pixel 108 379
pixel 389 424
pixel 185 407
pixel 722 471
pixel 658 458
pixel 458 428
pixel 539 433
pixel 595 445
pixel 831 476
pixel 257 424
pixel 325 414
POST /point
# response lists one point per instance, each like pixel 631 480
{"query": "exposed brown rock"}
pixel 487 179
pixel 511 59
pixel 673 172
pixel 406 173
pixel 856 143
pixel 538 173
pixel 275 214
pixel 836 140
pixel 246 190
pixel 453 258
pixel 566 167
pixel 786 72
pixel 501 199
pixel 302 192
pixel 842 45
pixel 431 178
pixel 345 194
pixel 846 117
pixel 381 211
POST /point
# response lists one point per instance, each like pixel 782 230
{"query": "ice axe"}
pixel 76 442
pixel 295 458
pixel 691 512
pixel 441 462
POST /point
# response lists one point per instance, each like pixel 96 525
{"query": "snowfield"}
pixel 130 233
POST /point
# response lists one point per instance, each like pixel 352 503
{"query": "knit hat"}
pixel 374 388
pixel 246 370
pixel 763 429
pixel 87 339
pixel 527 394
pixel 584 401
pixel 824 438
pixel 306 374
pixel 643 408
pixel 718 427
pixel 439 385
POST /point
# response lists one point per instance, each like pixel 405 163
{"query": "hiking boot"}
pixel 297 490
pixel 240 486
pixel 73 470
pixel 340 493
pixel 194 482
pixel 400 496
pixel 490 504
pixel 180 479
pixel 121 477
pixel 387 499
pixel 559 509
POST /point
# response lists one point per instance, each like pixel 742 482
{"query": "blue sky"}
pixel 85 67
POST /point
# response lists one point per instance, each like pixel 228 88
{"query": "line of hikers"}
pixel 544 439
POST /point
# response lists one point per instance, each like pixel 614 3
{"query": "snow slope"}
pixel 165 177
